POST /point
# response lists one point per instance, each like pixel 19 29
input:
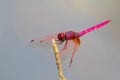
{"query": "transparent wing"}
pixel 44 42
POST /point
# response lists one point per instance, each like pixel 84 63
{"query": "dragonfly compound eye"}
pixel 61 36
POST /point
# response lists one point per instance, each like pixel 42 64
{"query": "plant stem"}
pixel 58 62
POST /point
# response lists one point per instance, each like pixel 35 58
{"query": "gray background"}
pixel 98 57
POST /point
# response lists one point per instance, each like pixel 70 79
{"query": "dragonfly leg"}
pixel 59 42
pixel 64 47
pixel 76 45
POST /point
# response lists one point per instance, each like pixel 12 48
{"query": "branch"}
pixel 58 62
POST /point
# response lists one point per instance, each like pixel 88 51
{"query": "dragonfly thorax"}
pixel 71 35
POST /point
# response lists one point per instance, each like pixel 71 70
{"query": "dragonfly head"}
pixel 61 36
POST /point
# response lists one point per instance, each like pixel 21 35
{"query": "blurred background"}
pixel 97 58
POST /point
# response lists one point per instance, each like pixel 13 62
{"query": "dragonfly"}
pixel 66 37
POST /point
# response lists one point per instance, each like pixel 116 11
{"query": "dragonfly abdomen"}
pixel 93 28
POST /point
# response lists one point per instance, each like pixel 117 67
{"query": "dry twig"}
pixel 58 62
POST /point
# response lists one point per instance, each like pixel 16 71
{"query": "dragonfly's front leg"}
pixel 59 42
pixel 65 46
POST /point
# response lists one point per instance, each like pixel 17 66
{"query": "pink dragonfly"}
pixel 66 37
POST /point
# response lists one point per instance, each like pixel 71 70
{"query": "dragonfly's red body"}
pixel 65 37
pixel 69 35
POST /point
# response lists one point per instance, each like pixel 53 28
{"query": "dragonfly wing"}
pixel 43 42
pixel 76 45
